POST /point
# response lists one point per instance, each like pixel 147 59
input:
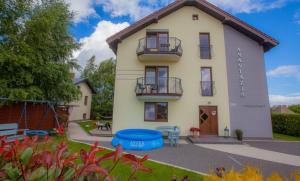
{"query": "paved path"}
pixel 75 132
pixel 289 147
pixel 257 153
pixel 192 157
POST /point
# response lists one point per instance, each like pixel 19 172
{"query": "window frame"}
pixel 156 75
pixel 155 111
pixel 156 33
pixel 209 45
pixel 211 80
pixel 86 100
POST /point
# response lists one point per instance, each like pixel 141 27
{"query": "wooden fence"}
pixel 37 116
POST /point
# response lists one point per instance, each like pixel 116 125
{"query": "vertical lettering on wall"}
pixel 241 64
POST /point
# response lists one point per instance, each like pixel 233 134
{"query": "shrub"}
pixel 24 161
pixel 239 134
pixel 248 173
pixel 288 124
pixel 295 108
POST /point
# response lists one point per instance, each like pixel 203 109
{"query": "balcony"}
pixel 166 89
pixel 168 49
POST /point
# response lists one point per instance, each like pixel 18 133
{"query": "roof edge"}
pixel 87 81
pixel 262 38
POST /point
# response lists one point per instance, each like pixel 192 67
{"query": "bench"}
pixel 165 129
pixel 11 131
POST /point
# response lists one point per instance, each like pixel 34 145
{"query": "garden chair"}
pixel 101 125
pixel 173 137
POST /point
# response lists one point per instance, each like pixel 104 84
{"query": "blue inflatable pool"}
pixel 138 139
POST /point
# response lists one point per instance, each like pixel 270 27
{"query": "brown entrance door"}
pixel 208 118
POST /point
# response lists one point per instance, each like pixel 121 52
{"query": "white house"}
pixel 81 110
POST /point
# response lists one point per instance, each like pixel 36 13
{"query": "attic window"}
pixel 195 17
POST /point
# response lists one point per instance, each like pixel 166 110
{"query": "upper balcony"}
pixel 168 88
pixel 164 49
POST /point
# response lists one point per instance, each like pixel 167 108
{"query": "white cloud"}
pixel 82 9
pixel 284 100
pixel 135 9
pixel 95 44
pixel 248 6
pixel 285 71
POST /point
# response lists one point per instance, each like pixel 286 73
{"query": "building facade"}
pixel 81 109
pixel 190 64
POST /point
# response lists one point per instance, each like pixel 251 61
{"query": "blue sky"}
pixel 95 20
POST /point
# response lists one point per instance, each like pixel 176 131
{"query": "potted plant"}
pixel 239 134
pixel 195 131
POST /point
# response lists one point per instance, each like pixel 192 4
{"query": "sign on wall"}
pixel 241 64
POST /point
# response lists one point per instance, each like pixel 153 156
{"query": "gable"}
pixel 86 83
pixel 266 41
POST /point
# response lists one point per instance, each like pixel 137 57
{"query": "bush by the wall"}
pixel 288 124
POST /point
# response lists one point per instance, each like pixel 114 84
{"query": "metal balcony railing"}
pixel 208 88
pixel 172 46
pixel 170 86
pixel 205 52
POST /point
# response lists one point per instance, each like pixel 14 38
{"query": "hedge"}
pixel 288 124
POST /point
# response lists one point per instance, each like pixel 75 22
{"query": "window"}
pixel 156 111
pixel 195 17
pixel 151 41
pixel 84 116
pixel 157 77
pixel 206 81
pixel 86 100
pixel 157 41
pixel 205 49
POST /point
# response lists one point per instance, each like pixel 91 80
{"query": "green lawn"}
pixel 122 172
pixel 285 137
pixel 88 125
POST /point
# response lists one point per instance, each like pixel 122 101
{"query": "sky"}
pixel 96 20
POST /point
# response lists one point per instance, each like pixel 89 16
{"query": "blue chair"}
pixel 173 137
pixel 11 131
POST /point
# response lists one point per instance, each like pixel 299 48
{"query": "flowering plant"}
pixel 195 131
pixel 25 160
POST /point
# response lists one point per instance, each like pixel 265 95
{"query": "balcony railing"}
pixel 205 52
pixel 208 88
pixel 173 46
pixel 168 87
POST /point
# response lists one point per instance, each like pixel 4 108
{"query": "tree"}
pixel 102 79
pixel 90 68
pixel 36 50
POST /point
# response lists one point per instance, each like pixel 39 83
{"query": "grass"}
pixel 122 172
pixel 285 137
pixel 88 125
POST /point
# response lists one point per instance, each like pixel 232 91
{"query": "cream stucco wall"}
pixel 129 110
pixel 76 112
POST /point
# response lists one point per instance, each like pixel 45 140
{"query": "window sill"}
pixel 155 120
